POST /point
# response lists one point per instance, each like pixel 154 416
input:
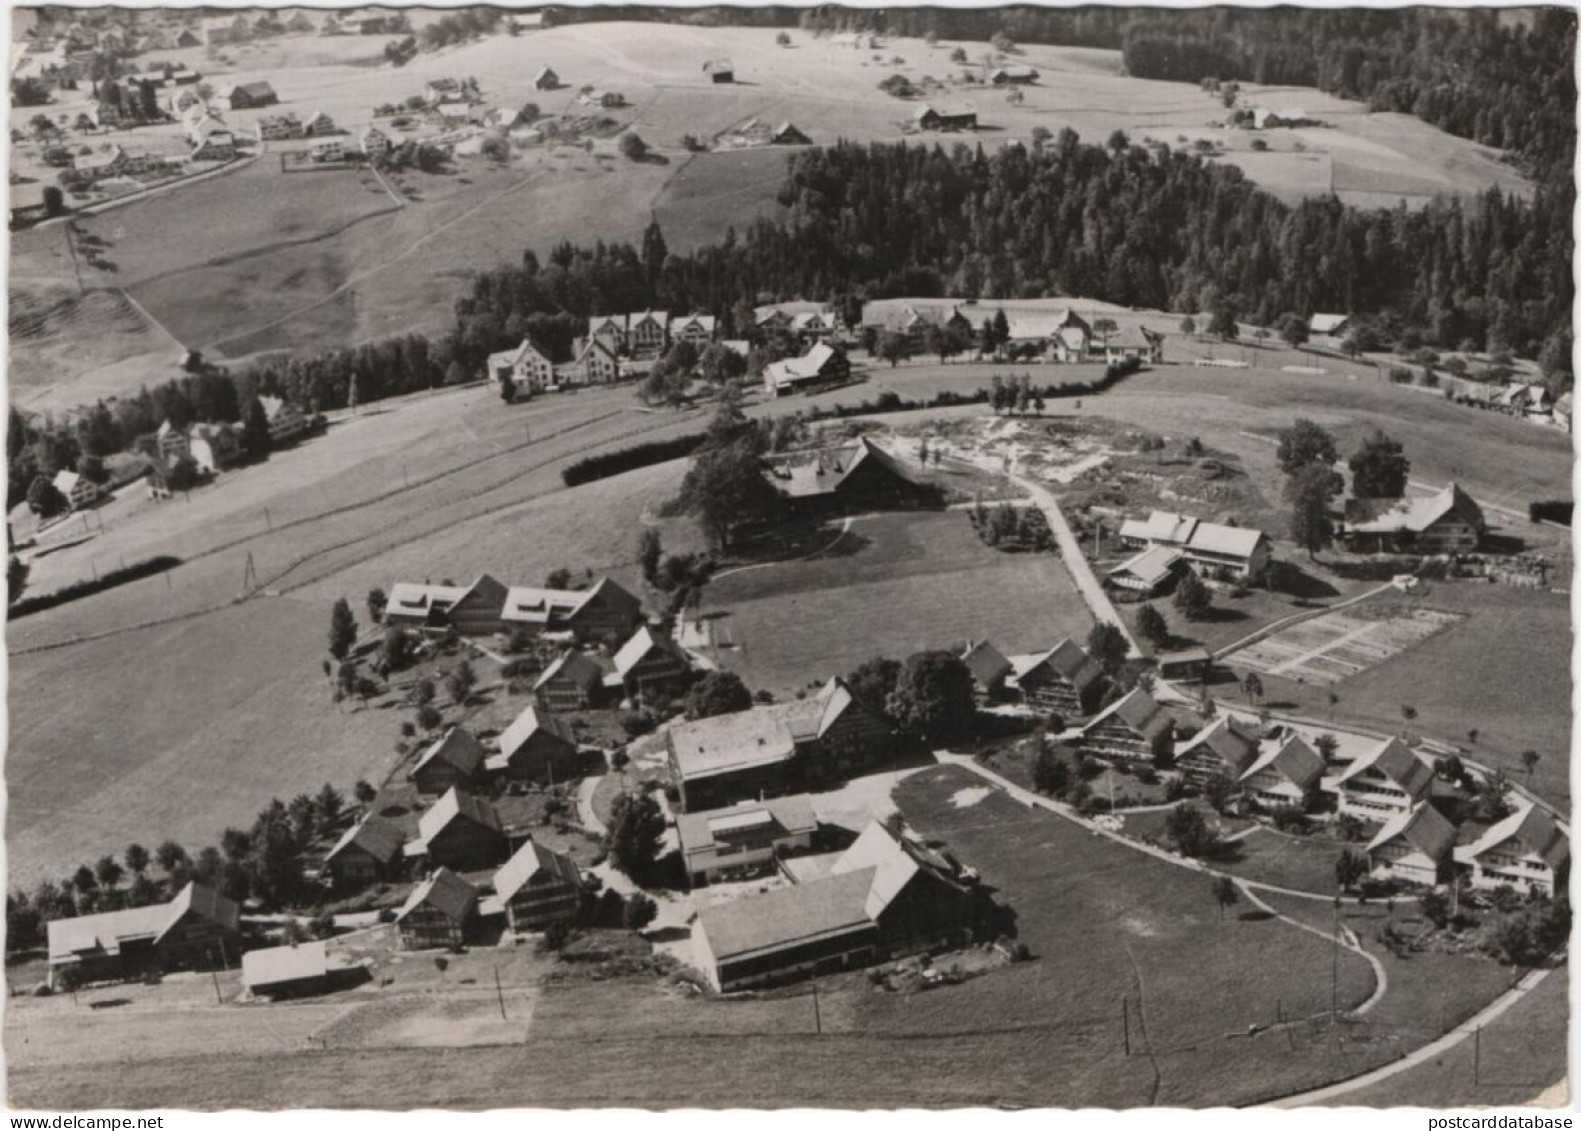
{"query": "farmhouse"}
pixel 883 899
pixel 912 318
pixel 988 666
pixel 546 79
pixel 279 972
pixel 538 887
pixel 1064 680
pixel 771 748
pixel 1133 343
pixel 807 322
pixel 570 683
pixel 819 367
pixel 1525 850
pixel 374 142
pixel 595 364
pixel 720 70
pixel 320 124
pixel 650 664
pixel 213 447
pixel 286 421
pixel 1414 846
pixel 1133 728
pixel 329 151
pixel 420 606
pixel 1214 550
pixel 213 145
pixel 1152 571
pixel 1328 325
pixel 98 166
pixel 1385 782
pixel 196 928
pixel 251 96
pixel 367 852
pixel 642 334
pixel 441 913
pixel 745 839
pixel 538 746
pixel 459 831
pixel 1223 748
pixel 849 478
pixel 275 127
pixel 79 490
pixel 699 329
pixel 456 758
pixel 605 610
pixel 932 118
pixel 487 606
pixel 1449 521
pixel 527 367
pixel 1013 76
pixel 1286 773
pixel 787 134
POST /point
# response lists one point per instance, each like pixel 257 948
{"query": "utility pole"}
pixel 499 992
pixel 1476 1056
pixel 269 522
pixel 817 1015
pixel 1334 997
pixel 215 975
pixel 1125 1023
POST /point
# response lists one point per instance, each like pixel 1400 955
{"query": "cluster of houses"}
pixel 1059 334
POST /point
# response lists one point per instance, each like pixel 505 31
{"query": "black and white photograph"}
pixel 789 557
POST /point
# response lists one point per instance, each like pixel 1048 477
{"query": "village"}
pixel 987 682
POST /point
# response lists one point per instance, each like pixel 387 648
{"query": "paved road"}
pixel 585 815
pixel 1087 582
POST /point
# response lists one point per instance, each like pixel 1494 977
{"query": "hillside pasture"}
pixel 892 585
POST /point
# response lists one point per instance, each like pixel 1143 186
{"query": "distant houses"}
pixel 807 323
pixel 251 96
pixel 546 79
pixel 487 606
pixel 527 367
pixel 455 759
pixel 1013 76
pixel 367 852
pixel 643 333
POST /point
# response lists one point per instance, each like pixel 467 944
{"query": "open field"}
pixel 303 262
pixel 894 584
pixel 1304 863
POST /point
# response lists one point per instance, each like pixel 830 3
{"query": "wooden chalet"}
pixel 456 758
pixel 538 746
pixel 368 852
pixel 195 930
pixel 1415 847
pixel 537 887
pixel 1448 521
pixel 459 831
pixel 571 683
pixel 1134 728
pixel 1064 680
pixel 441 913
pixel 650 663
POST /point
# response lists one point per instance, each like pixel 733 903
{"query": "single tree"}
pixel 632 147
pixel 1192 598
pixel 650 550
pixel 1253 686
pixel 636 826
pixel 1151 624
pixel 1305 443
pixel 717 693
pixel 1309 494
pixel 1379 469
pixel 1529 759
pixel 364 793
pixel 108 871
pixel 137 859
pixel 377 602
pixel 1106 645
pixel 1051 771
pixel 460 681
pixel 1226 894
pixel 342 629
pixel 934 697
pixel 255 430
pixel 893 348
pixel 1350 869
pixel 170 856
pixel 1218 790
pixel 1293 329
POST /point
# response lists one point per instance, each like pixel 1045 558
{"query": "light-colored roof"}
pixel 1160 526
pixel 824 908
pixel 529 723
pixel 757 736
pixel 792 310
pixel 643 642
pixel 414 600
pixel 105 931
pixel 1138 710
pixel 1325 323
pixel 528 860
pixel 276 964
pixel 696 831
pixel 1532 828
pixel 455 805
pixel 1292 758
pixel 1423 827
pixel 1397 762
pixel 1151 566
pixel 1172 529
pixel 578 667
pixel 892 866
pixel 1414 515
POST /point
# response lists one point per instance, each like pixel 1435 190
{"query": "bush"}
pixel 134 572
pixel 606 464
pixel 1551 510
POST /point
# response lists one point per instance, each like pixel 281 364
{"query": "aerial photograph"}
pixel 789 557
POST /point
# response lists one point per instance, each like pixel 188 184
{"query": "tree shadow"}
pixel 1290 579
pixel 1255 916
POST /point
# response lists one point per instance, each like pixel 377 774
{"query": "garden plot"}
pixel 1329 649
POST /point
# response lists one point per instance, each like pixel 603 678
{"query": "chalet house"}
pixel 1223 748
pixel 546 79
pixel 571 683
pixel 252 96
pixel 806 322
pixel 650 664
pixel 1150 572
pixel 1383 783
pixel 1447 522
pixel 186 37
pixel 720 70
pixel 1526 850
pixel 913 318
pixel 1327 325
pixel 79 490
pixel 454 759
pixel 1134 728
pixel 932 118
pixel 699 329
pixel 525 366
pixel 276 127
pixel 286 421
pixel 374 142
pixel 538 887
pixel 412 605
pixel 850 478
pixel 1214 550
pixel 595 363
pixel 1013 76
pixel 882 899
pixel 213 447
pixel 368 852
pixel 442 90
pixel 479 610
pixel 487 607
pixel 642 334
pixel 820 366
pixel 329 151
pixel 440 914
pixel 280 972
pixel 1286 772
pixel 195 929
pixel 1064 680
pixel 459 831
pixel 538 747
pixel 787 134
pixel 1414 847
pixel 773 748
pixel 988 666
pixel 1133 343
pixel 214 145
pixel 320 124
pixel 743 840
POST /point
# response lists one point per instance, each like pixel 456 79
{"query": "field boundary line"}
pixel 1297 618
pixel 147 317
pixel 399 201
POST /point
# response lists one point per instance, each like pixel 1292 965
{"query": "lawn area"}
pixel 1304 863
pixel 895 584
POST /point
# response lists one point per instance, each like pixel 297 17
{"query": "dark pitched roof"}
pixel 986 663
pixel 377 836
pixel 452 896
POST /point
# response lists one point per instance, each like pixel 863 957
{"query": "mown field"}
pixel 893 585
